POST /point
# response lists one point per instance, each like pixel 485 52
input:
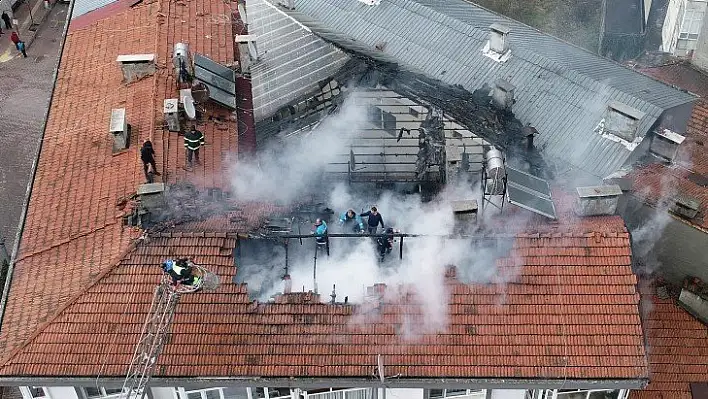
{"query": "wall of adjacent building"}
pixel 670 29
pixel 678 249
pixel 700 55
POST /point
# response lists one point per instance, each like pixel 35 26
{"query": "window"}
pixel 690 25
pixel 33 392
pixel 211 393
pixel 456 393
pixel 100 392
pixel 591 394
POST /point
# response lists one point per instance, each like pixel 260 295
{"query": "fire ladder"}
pixel 155 330
pixel 152 339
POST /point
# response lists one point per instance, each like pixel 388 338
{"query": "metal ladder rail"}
pixel 151 341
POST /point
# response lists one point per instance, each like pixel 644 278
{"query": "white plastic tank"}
pixel 181 52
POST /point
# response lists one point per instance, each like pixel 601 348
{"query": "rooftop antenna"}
pixel 333 295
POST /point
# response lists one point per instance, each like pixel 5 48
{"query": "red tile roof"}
pixel 74 232
pixel 83 284
pixel 677 349
pixel 693 153
pixel 572 313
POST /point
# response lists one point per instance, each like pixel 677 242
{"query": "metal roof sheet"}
pixel 561 89
pixel 82 7
pixel 292 60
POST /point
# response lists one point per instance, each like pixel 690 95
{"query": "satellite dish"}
pixel 200 92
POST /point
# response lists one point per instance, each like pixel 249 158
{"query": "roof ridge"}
pixel 41 327
pixel 541 55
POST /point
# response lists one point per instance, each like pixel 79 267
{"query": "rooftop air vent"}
pixel 597 200
pixel 622 120
pixel 695 305
pixel 136 66
pixel 497 48
pixel 499 38
pixel 503 94
pixel 665 144
pixel 464 213
pixel 685 207
pixel 119 129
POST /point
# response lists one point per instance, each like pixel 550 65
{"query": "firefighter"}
pixel 385 243
pixel 181 271
pixel 193 140
pixel 351 219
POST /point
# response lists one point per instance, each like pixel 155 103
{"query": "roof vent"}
pixel 694 304
pixel 503 94
pixel 497 48
pixel 136 66
pixel 597 200
pixel 665 144
pixel 289 4
pixel 152 203
pixel 685 207
pixel 622 120
pixel 464 212
pixel 120 129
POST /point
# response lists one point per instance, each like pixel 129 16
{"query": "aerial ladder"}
pixel 157 326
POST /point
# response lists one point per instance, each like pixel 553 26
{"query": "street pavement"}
pixel 25 88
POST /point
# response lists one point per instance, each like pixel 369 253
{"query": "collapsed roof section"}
pixel 563 91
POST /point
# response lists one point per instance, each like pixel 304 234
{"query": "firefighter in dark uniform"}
pixel 193 140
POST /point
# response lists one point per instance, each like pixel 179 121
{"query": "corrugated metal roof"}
pixel 292 60
pixel 561 89
pixel 82 7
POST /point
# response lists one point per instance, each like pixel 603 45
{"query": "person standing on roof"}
pixel 320 231
pixel 350 218
pixel 147 155
pixel 375 219
pixel 193 140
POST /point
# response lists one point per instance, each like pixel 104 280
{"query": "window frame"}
pixel 691 23
pixel 183 393
pixel 27 393
pixel 102 393
pixel 446 396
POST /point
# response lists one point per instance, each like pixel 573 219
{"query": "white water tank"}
pixel 495 172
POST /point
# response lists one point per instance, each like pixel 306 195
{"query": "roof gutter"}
pixel 314 383
pixel 30 184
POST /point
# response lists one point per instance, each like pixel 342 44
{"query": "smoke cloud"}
pixel 291 171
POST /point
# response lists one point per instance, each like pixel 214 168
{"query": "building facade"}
pixel 331 393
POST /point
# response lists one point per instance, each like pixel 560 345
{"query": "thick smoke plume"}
pixel 286 170
pixel 353 265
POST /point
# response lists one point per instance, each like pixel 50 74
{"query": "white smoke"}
pixel 353 263
pixel 284 172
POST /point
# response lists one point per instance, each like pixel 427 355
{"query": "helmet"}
pixel 389 230
pixel 167 265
